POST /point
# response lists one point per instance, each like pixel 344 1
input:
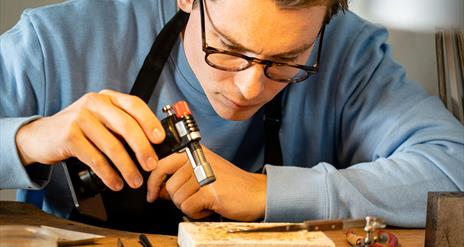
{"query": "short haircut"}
pixel 333 6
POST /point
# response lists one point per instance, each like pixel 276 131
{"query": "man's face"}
pixel 256 28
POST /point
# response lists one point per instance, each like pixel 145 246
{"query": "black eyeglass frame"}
pixel 310 70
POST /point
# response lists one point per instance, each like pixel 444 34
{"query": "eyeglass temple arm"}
pixel 319 47
pixel 203 34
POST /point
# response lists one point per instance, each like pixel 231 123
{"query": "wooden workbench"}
pixel 21 213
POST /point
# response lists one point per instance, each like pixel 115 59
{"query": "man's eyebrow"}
pixel 239 47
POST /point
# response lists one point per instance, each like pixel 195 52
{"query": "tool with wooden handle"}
pixel 309 225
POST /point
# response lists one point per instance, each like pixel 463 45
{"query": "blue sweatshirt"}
pixel 357 138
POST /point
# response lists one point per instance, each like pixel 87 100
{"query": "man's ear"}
pixel 185 5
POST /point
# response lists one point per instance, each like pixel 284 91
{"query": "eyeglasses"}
pixel 234 62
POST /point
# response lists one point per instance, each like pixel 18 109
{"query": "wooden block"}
pixel 199 234
pixel 445 219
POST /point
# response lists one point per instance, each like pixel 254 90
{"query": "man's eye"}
pixel 286 59
pixel 230 47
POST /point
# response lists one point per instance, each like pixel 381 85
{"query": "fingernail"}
pixel 157 134
pixel 149 197
pixel 151 162
pixel 118 186
pixel 138 180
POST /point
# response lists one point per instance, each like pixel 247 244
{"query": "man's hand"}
pixel 236 194
pixel 90 129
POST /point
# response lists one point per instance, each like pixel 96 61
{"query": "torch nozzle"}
pixel 201 168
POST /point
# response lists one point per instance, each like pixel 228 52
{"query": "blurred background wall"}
pixel 412 25
pixel 10 10
pixel 413 45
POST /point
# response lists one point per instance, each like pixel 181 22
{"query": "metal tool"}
pixel 374 236
pixel 119 243
pixel 188 140
pixel 144 241
pixel 372 224
pixel 308 225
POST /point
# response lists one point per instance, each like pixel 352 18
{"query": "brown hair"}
pixel 333 5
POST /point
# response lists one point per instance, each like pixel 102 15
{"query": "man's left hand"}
pixel 236 194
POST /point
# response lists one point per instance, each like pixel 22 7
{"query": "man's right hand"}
pixel 91 130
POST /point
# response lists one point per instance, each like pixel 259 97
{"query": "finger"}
pixel 180 177
pixel 167 166
pixel 141 112
pixel 123 124
pixel 196 207
pixel 186 190
pixel 92 157
pixel 104 140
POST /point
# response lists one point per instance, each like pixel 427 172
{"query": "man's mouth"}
pixel 236 104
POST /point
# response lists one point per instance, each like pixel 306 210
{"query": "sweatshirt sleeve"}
pixel 397 143
pixel 21 87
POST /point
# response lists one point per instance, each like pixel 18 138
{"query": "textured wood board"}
pixel 199 234
pixel 445 219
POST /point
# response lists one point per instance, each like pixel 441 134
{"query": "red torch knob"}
pixel 182 109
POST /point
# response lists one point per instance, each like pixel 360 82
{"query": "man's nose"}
pixel 251 81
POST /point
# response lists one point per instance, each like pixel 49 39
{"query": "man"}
pixel 357 137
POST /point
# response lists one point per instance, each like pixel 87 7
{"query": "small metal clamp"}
pixel 372 224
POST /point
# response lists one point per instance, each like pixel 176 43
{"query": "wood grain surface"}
pixel 13 213
pixel 16 213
